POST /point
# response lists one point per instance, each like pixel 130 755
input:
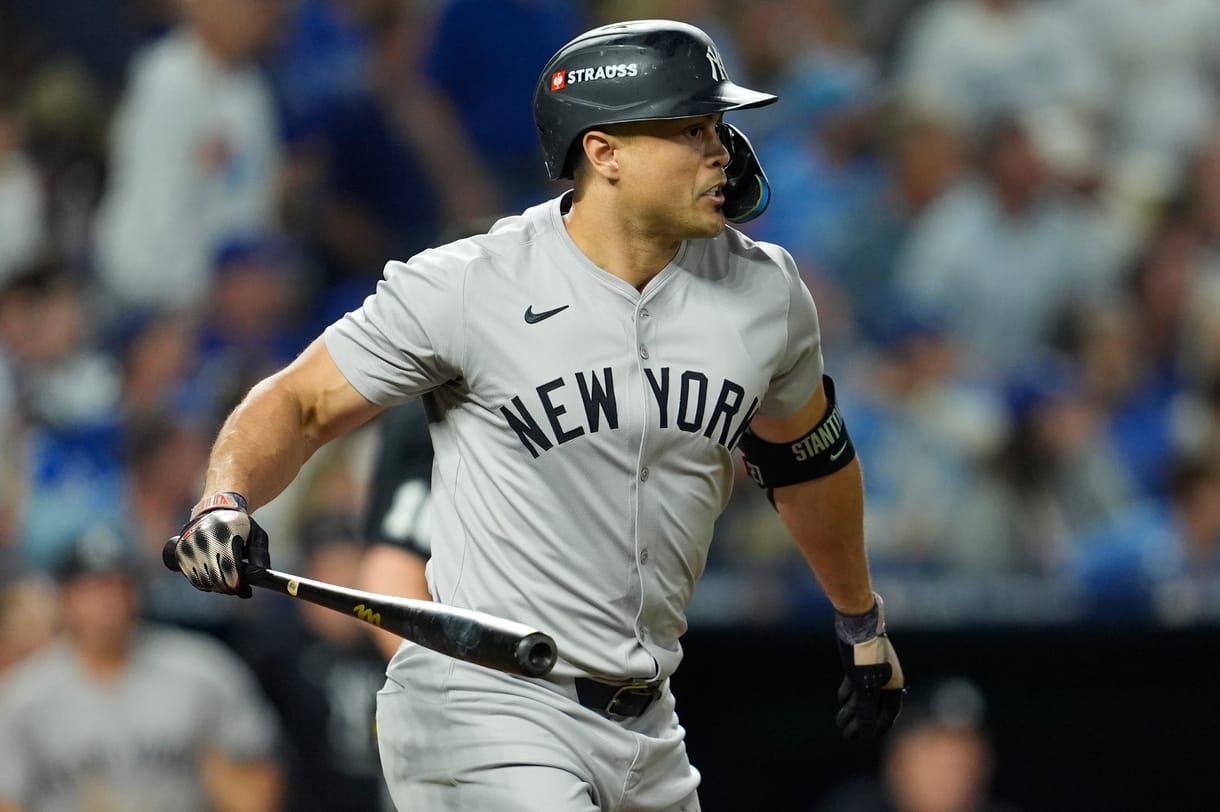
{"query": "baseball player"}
pixel 116 713
pixel 588 367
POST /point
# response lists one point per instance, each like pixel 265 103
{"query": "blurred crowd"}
pixel 1008 212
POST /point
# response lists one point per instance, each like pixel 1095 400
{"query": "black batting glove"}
pixel 870 696
pixel 219 545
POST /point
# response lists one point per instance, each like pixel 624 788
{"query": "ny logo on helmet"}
pixel 719 74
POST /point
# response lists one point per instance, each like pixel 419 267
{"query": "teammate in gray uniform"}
pixel 589 367
pixel 119 716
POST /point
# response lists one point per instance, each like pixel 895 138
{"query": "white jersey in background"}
pixel 71 742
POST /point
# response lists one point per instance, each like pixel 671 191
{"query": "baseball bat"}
pixel 464 634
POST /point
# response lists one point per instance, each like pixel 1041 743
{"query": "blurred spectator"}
pixel 12 476
pixel 12 426
pixel 322 672
pixel 397 133
pixel 1054 474
pixel 923 156
pixel 67 394
pixel 1111 230
pixel 1204 186
pixel 1160 64
pixel 252 319
pixel 881 26
pixel 121 715
pixel 939 757
pixel 67 115
pixel 986 61
pixel 29 612
pixel 163 463
pixel 1121 562
pixel 44 338
pixel 1195 413
pixel 483 59
pixel 163 466
pixel 321 57
pixel 1141 353
pixel 373 129
pixel 820 150
pixel 914 406
pixel 1197 419
pixel 999 254
pixel 22 197
pixel 157 352
pixel 195 155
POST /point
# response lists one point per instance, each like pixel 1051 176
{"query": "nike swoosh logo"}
pixel 533 318
pixel 834 455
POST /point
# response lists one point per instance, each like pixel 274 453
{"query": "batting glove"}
pixel 870 696
pixel 220 544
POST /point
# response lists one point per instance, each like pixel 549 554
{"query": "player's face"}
pixel 673 176
pixel 100 610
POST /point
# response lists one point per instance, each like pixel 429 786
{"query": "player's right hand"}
pixel 218 546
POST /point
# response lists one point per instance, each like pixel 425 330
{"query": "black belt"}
pixel 617 701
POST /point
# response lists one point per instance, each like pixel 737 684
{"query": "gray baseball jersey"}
pixel 583 429
pixel 69 742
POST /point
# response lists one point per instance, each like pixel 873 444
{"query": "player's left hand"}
pixel 870 696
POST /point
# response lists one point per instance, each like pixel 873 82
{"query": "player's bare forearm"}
pixel 826 518
pixel 280 423
pixel 241 786
pixel 261 446
pixel 825 515
pixel 391 570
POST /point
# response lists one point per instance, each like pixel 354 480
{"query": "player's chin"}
pixel 712 220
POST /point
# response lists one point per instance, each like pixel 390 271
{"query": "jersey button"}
pixel 643 475
pixel 643 352
pixel 644 556
pixel 644 313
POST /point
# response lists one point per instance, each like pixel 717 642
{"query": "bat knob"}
pixel 536 654
pixel 169 554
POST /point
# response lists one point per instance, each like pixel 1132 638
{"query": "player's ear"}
pixel 601 153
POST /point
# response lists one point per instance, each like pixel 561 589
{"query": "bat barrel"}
pixel 536 654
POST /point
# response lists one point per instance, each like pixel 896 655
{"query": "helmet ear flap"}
pixel 747 192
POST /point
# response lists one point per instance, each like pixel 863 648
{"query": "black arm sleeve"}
pixel 400 492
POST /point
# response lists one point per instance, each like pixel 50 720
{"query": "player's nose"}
pixel 717 151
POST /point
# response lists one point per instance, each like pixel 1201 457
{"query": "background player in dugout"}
pixel 593 532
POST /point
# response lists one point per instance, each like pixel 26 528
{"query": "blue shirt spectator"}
pixel 322 58
pixel 485 58
pixel 1120 563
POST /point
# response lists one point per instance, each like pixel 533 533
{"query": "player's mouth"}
pixel 716 193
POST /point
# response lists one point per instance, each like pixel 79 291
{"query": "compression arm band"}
pixel 824 450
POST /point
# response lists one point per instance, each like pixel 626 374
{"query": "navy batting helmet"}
pixel 638 71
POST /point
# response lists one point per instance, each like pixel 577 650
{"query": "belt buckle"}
pixel 614 700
